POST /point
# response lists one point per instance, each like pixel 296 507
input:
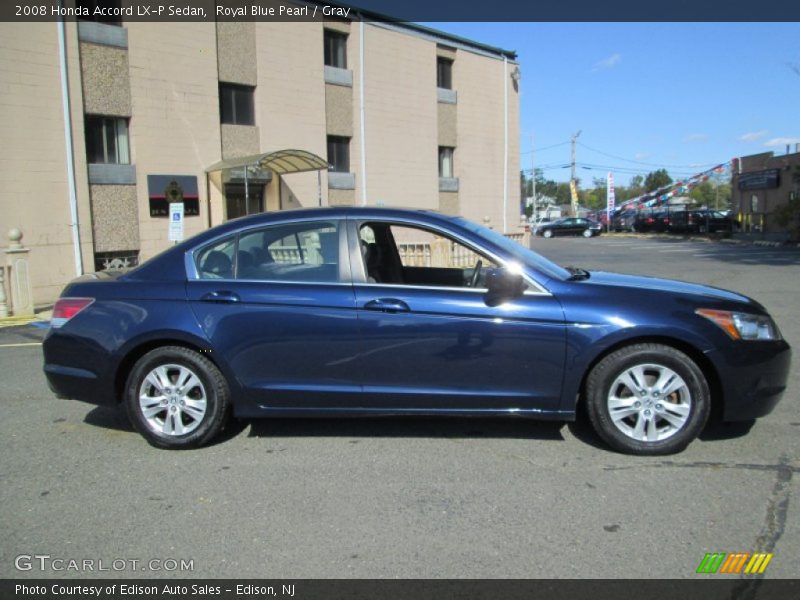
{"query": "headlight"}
pixel 742 326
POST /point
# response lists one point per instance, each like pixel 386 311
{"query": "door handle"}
pixel 388 305
pixel 222 297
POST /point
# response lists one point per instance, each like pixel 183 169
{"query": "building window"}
pixel 107 140
pixel 446 161
pixel 335 49
pixel 338 154
pixel 444 73
pixel 236 104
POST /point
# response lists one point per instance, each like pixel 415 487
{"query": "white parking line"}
pixel 20 345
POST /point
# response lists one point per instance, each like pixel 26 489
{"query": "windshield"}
pixel 522 254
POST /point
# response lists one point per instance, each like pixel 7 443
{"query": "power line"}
pixel 639 162
pixel 545 148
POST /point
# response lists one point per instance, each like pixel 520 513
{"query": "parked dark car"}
pixel 623 220
pixel 570 226
pixel 333 312
pixel 649 220
pixel 702 221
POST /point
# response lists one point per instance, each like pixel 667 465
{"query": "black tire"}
pixel 605 374
pixel 587 233
pixel 548 233
pixel 212 389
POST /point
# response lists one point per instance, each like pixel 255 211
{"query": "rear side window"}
pixel 303 252
pixel 216 262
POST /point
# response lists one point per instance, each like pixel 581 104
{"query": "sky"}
pixel 683 96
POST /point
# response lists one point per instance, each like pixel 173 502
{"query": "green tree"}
pixel 657 179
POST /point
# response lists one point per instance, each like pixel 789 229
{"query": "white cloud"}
pixel 609 62
pixel 782 141
pixel 753 136
pixel 696 137
pixel 642 155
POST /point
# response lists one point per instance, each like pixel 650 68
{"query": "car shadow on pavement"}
pixel 108 417
pixel 718 431
pixel 408 427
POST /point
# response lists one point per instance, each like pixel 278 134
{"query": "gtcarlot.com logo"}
pixel 46 562
pixel 735 563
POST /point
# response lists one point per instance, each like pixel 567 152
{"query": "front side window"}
pixel 107 140
pixel 405 255
pixel 444 73
pixel 446 161
pixel 338 154
pixel 335 49
pixel 236 104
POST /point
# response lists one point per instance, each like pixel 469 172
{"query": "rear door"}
pixel 277 305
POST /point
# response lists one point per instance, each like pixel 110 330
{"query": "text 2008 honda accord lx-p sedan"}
pixel 371 311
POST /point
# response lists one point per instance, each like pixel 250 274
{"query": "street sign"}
pixel 176 221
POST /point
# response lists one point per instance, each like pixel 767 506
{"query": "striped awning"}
pixel 280 162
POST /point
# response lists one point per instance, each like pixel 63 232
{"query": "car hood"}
pixel 667 285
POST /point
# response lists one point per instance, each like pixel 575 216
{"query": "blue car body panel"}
pixel 354 347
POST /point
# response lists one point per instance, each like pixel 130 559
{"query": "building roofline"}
pixel 371 15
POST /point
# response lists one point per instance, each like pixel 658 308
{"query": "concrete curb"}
pixel 690 238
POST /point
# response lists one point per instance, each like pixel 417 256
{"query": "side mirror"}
pixel 503 285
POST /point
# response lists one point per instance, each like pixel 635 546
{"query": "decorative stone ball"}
pixel 15 235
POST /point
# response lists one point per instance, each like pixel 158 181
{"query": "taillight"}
pixel 66 308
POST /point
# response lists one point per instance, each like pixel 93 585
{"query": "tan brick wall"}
pixel 236 48
pixel 115 217
pixel 175 128
pixel 34 196
pixel 290 100
pixel 339 110
pixel 341 197
pixel 239 140
pixel 447 124
pixel 479 157
pixel 448 203
pixel 106 83
pixel 401 120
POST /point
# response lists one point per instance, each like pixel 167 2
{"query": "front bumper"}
pixel 753 377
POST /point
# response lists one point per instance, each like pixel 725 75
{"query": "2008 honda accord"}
pixel 376 311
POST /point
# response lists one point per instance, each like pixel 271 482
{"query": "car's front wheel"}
pixel 548 233
pixel 176 398
pixel 647 399
pixel 587 233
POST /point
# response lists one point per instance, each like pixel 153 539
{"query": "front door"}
pixel 430 341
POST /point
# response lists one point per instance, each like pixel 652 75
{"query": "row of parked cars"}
pixel 682 221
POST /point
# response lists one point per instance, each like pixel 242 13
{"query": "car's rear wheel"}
pixel 176 398
pixel 548 233
pixel 587 233
pixel 647 399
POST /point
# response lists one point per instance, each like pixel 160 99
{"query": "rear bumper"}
pixel 73 370
pixel 753 378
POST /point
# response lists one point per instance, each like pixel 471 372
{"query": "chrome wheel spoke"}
pixel 652 430
pixel 620 408
pixel 638 430
pixel 194 408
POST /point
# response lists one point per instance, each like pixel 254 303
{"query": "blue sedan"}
pixel 374 311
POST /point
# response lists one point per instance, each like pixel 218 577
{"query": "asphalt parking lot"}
pixel 410 498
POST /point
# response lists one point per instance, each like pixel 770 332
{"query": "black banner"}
pixel 707 588
pixel 408 10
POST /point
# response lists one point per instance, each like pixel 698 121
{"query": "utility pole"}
pixel 533 182
pixel 574 179
pixel 574 141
